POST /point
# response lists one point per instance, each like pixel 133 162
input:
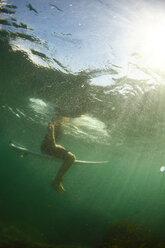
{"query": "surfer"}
pixel 50 147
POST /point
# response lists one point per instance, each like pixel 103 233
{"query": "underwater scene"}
pixel 98 69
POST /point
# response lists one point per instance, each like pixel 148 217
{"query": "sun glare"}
pixel 154 47
pixel 149 41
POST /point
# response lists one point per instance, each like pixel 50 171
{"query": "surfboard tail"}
pixel 91 162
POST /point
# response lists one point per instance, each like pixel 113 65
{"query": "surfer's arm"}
pixel 52 131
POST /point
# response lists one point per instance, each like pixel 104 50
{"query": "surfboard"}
pixel 25 151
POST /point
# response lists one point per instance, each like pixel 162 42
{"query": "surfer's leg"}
pixel 69 159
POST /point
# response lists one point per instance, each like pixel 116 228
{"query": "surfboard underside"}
pixel 24 151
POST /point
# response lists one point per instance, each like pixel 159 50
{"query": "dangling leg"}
pixel 57 182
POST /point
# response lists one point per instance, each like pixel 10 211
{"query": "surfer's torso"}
pixel 49 145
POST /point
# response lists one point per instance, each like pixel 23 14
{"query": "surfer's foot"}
pixel 59 187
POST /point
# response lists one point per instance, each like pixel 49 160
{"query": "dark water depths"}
pixel 82 56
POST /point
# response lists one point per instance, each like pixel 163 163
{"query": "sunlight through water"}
pixel 95 70
pixel 149 38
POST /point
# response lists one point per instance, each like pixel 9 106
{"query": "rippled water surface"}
pixel 103 60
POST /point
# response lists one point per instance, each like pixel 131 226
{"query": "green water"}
pixel 121 124
pixel 129 188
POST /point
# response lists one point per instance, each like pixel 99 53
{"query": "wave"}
pixel 36 81
pixel 126 105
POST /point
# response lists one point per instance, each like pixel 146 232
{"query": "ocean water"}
pixel 105 61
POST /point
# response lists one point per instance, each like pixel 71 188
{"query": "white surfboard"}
pixel 24 151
